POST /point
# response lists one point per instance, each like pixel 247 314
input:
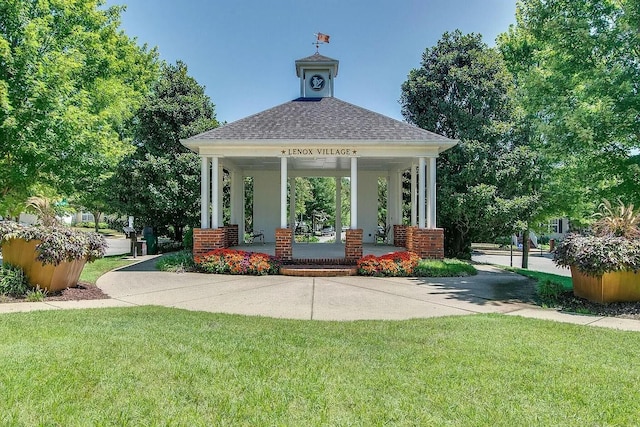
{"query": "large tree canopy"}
pixel 486 183
pixel 159 183
pixel 577 68
pixel 69 82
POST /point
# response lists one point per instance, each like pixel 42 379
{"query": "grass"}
pixel 444 268
pixel 161 366
pixel 93 270
pixel 541 277
pixel 103 231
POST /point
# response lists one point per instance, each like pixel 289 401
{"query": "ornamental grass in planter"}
pixel 51 256
pixel 605 267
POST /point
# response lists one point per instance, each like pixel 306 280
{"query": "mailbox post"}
pixel 130 233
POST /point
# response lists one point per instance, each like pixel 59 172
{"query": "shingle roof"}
pixel 319 119
pixel 315 61
pixel 316 57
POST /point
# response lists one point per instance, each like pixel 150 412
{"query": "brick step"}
pixel 319 270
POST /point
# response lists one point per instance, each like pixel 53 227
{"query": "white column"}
pixel 414 196
pixel 292 202
pixel 431 192
pixel 237 197
pixel 338 224
pixel 283 192
pixel 394 198
pixel 388 220
pixel 237 201
pixel 204 192
pixel 354 193
pixel 215 194
pixel 221 195
pixel 421 195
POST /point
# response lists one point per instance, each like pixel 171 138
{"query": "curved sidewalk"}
pixel 331 298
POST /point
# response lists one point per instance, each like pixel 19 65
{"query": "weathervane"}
pixel 320 39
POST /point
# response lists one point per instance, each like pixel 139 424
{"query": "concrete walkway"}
pixel 337 298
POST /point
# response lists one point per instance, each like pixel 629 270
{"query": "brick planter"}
pixel 428 243
pixel 207 239
pixel 353 244
pixel 284 244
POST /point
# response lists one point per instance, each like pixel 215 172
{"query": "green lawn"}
pixel 564 281
pixel 161 366
pixel 93 270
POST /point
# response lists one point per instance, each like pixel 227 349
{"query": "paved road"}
pixel 118 246
pixel 537 262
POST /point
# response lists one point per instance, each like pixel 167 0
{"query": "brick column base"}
pixel 231 234
pixel 207 239
pixel 410 231
pixel 399 235
pixel 428 243
pixel 284 244
pixel 353 245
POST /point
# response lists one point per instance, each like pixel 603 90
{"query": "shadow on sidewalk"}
pixel 148 265
pixel 484 288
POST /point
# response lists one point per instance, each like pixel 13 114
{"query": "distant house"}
pixel 558 228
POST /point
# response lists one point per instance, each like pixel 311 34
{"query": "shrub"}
pixel 57 243
pixel 36 295
pixel 89 224
pixel 177 262
pixel 12 281
pixel 187 239
pixel 544 240
pixel 444 268
pixel 395 264
pixel 170 246
pixel 229 261
pixel 595 255
pixel 549 292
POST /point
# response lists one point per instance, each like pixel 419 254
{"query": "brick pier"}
pixel 353 244
pixel 284 244
pixel 208 239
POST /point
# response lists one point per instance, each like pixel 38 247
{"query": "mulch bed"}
pixel 84 291
pixel 566 301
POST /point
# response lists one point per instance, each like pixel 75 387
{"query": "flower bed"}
pixel 396 264
pixel 229 261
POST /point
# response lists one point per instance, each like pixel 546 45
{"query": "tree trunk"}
pixel 177 233
pixel 525 248
pixel 96 219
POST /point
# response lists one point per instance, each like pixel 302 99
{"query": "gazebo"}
pixel 319 135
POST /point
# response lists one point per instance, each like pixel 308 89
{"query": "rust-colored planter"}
pixel 616 286
pixel 53 278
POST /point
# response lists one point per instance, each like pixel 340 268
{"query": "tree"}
pixel 462 90
pixel 69 82
pixel 159 183
pixel 578 77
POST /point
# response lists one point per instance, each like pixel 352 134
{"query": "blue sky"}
pixel 243 51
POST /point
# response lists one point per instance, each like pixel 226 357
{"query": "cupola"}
pixel 316 73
